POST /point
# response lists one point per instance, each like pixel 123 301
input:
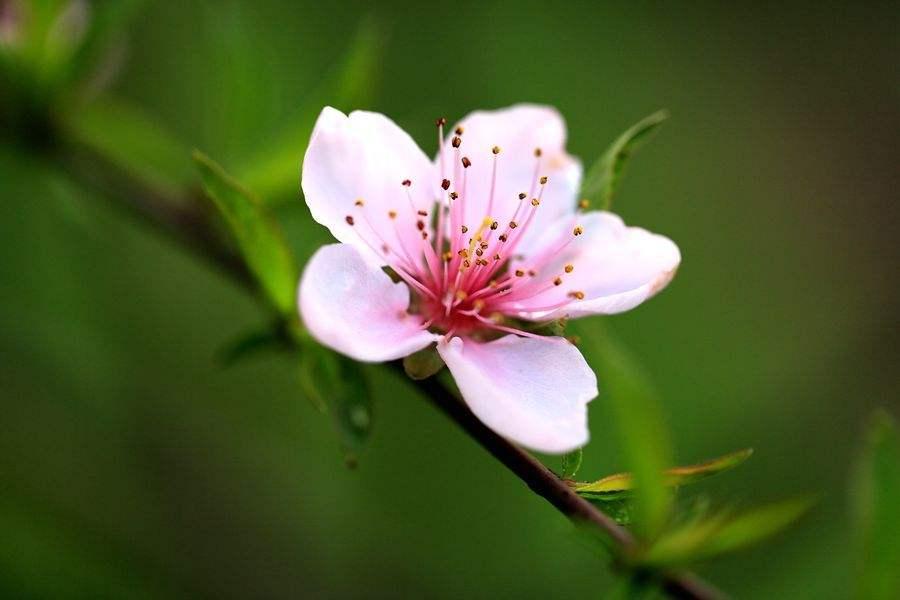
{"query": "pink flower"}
pixel 483 238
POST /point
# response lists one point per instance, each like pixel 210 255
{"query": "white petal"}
pixel 518 131
pixel 533 391
pixel 353 307
pixel 617 267
pixel 366 156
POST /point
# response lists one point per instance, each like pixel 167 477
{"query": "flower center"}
pixel 467 278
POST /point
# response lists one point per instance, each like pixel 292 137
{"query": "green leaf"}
pixel 126 136
pixel 424 363
pixel 252 343
pixel 571 462
pixel 877 497
pixel 718 534
pixel 339 384
pixel 602 180
pixel 275 172
pixel 258 236
pixel 643 435
pixel 622 484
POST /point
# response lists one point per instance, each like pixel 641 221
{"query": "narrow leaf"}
pixel 571 462
pixel 622 484
pixel 723 533
pixel 258 236
pixel 275 172
pixel 603 178
pixel 877 498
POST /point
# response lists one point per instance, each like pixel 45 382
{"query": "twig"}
pixel 180 219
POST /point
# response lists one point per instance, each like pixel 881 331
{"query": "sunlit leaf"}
pixel 424 363
pixel 338 384
pixel 622 484
pixel 126 136
pixel 643 435
pixel 877 496
pixel 258 236
pixel 602 180
pixel 275 172
pixel 718 534
pixel 571 462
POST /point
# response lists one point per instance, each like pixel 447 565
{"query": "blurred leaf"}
pixel 258 236
pixel 643 435
pixel 132 140
pixel 622 484
pixel 877 495
pixel 602 180
pixel 275 172
pixel 254 342
pixel 718 534
pixel 107 22
pixel 337 383
pixel 571 462
pixel 424 363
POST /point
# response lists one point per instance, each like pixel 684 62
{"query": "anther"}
pixel 479 252
pixel 392 214
pixel 459 131
pixel 522 195
pixel 456 141
pixel 543 180
pixel 584 203
pixel 537 152
pixel 440 121
pixel 466 163
pixel 454 195
pixel 496 149
pixel 484 245
pixel 578 230
pixel 467 264
pixel 445 184
pixel 349 219
pixel 513 225
pixel 359 202
pixel 420 225
pixel 497 256
pixel 569 268
pixel 406 183
pixel 464 229
pixel 495 225
pixel 447 256
pixel 503 237
pixel 464 253
pixel 557 281
pixel 576 295
pixel 535 202
pixel 520 273
pixel 422 213
pixel 424 235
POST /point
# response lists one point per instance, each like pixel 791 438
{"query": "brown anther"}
pixel 440 121
pixel 576 295
pixel 466 163
pixel 513 224
pixel 456 141
pixel 422 213
pixel 532 272
pixel 479 252
pixel 420 225
pixel 349 219
pixel 424 235
pixel 496 149
pixel 557 281
pixel 464 229
pixel 459 131
pixel 520 273
pixel 392 214
pixel 569 268
pixel 503 237
pixel 522 195
pixel 445 184
pixel 535 202
pixel 543 180
pixel 497 256
pixel 537 152
pixel 406 183
pixel 385 248
pixel 464 253
pixel 359 202
pixel 467 264
pixel 447 256
pixel 484 245
pixel 578 230
pixel 494 226
pixel 454 195
pixel 584 203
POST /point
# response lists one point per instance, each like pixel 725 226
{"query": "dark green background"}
pixel 131 464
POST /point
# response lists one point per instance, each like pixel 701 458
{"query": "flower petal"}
pixel 615 266
pixel 533 391
pixel 353 307
pixel 518 131
pixel 367 156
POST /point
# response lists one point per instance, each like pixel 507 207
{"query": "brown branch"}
pixel 182 220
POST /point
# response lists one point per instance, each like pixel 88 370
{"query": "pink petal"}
pixel 518 131
pixel 353 307
pixel 533 391
pixel 367 156
pixel 617 267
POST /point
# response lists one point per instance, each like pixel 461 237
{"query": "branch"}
pixel 181 220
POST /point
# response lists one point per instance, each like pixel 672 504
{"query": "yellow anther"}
pixel 577 295
pixel 535 201
pixel 543 180
pixel 578 230
pixel 359 202
pixel 569 268
pixel 478 304
pixel 496 149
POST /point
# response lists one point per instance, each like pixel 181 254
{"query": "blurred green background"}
pixel 133 465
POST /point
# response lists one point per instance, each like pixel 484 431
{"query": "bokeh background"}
pixel 132 464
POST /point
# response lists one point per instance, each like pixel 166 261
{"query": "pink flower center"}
pixel 462 275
